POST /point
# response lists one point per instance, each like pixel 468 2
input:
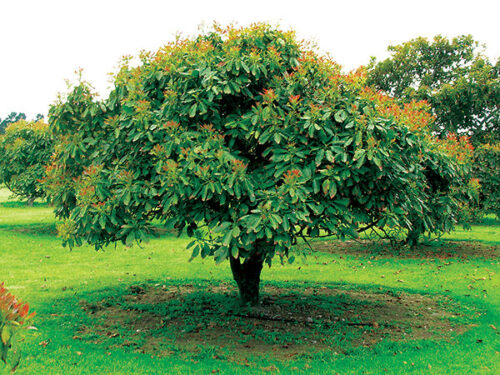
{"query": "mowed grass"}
pixel 341 308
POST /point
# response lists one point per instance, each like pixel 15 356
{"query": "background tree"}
pixel 486 170
pixel 446 165
pixel 13 117
pixel 25 150
pixel 244 138
pixel 450 188
pixel 461 85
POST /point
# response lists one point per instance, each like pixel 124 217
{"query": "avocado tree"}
pixel 25 150
pixel 446 165
pixel 486 169
pixel 451 192
pixel 244 138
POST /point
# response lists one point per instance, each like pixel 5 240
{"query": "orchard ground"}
pixel 352 307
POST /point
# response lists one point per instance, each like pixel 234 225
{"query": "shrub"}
pixel 14 316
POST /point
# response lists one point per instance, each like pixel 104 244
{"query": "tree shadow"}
pixel 50 229
pixel 293 321
pixel 21 204
pixel 36 229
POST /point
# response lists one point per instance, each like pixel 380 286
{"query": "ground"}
pixel 353 307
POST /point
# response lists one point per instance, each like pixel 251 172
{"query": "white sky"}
pixel 42 42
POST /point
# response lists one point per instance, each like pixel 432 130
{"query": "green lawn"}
pixel 88 312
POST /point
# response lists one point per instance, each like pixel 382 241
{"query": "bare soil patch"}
pixel 441 250
pixel 204 320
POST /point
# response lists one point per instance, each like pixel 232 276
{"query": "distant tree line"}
pixel 15 117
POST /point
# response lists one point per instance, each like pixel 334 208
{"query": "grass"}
pixel 344 308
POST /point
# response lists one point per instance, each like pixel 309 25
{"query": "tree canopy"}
pixel 486 170
pixel 15 117
pixel 248 140
pixel 461 85
pixel 25 150
pixel 11 118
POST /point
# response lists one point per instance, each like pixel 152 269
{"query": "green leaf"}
pixel 277 138
pixel 329 156
pixel 342 202
pixel 326 186
pixel 6 334
pixel 359 138
pixel 360 161
pixel 227 238
pixel 316 186
pixel 319 157
pixel 333 189
pixel 340 116
pixel 222 227
pixel 126 198
pixel 359 153
pixel 236 232
pixel 192 110
pixel 196 251
pixel 102 221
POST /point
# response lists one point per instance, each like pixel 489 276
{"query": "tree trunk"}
pixel 414 233
pixel 30 201
pixel 412 238
pixel 247 276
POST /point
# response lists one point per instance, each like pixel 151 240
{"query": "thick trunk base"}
pixel 247 276
pixel 413 238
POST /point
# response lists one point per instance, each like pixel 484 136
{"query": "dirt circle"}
pixel 202 318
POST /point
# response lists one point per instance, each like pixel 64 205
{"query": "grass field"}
pixel 348 308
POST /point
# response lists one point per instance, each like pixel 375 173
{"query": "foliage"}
pixel 14 316
pixel 11 118
pixel 25 149
pixel 446 164
pixel 15 117
pixel 461 85
pixel 249 141
pixel 486 170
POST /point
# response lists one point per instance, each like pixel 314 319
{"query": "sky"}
pixel 43 43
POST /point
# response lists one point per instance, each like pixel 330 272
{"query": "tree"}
pixel 446 165
pixel 461 85
pixel 450 188
pixel 486 169
pixel 25 150
pixel 13 117
pixel 244 138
